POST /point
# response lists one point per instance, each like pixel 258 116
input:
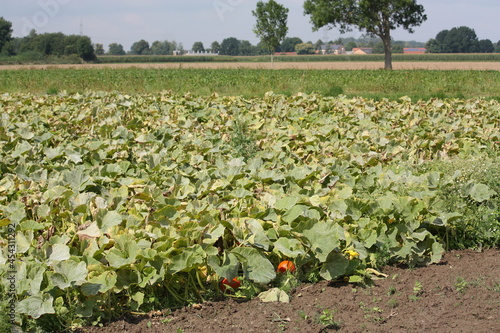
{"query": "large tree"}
pixel 305 48
pixel 247 49
pixel 162 47
pixel 99 49
pixel 198 47
pixel 230 46
pixel 457 40
pixel 271 26
pixel 215 47
pixel 377 18
pixel 85 49
pixel 289 43
pixel 116 49
pixel 486 46
pixel 5 32
pixel 140 48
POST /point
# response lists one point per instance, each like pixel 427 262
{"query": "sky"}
pixel 188 21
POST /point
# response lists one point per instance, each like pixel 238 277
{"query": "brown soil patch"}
pixel 461 294
pixel 279 65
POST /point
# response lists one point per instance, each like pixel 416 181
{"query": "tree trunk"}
pixel 388 52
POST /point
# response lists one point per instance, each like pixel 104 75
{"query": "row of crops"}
pixel 304 58
pixel 134 202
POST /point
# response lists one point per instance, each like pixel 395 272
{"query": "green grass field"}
pixel 376 84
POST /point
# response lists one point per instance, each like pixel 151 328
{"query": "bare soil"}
pixel 460 294
pixel 348 65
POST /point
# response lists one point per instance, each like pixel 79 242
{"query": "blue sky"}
pixel 188 21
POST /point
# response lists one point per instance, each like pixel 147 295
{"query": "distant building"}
pixel 201 53
pixel 362 50
pixel 414 50
pixel 332 49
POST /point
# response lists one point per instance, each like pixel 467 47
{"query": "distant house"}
pixel 414 50
pixel 201 53
pixel 332 49
pixel 362 50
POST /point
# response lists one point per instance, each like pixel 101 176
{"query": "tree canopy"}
pixel 140 48
pixel 5 32
pixel 84 48
pixel 39 46
pixel 215 47
pixel 459 40
pixel 288 44
pixel 377 18
pixel 304 48
pixel 230 46
pixel 198 47
pixel 271 26
pixel 116 49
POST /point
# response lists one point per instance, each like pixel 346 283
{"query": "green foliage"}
pixel 320 58
pixel 230 46
pixel 116 49
pixel 457 40
pixel 215 47
pixel 377 18
pixel 5 32
pixel 140 48
pixel 271 26
pixel 288 44
pixel 53 45
pixel 198 47
pixel 164 47
pixel 85 49
pixel 327 319
pixel 99 49
pixel 417 291
pixel 350 45
pixel 470 194
pixel 138 202
pixel 374 84
pixel 461 285
pixel 304 48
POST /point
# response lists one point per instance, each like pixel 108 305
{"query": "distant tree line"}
pixel 233 46
pixel 38 46
pixel 461 40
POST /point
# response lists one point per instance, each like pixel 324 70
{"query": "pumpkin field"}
pixel 120 204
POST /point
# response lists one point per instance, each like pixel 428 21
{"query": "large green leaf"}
pixel 228 268
pixel 323 238
pixel 58 252
pixel 256 267
pixel 481 192
pixel 37 305
pixel 68 273
pixel 99 284
pixel 289 247
pixel 110 219
pixel 189 258
pixel 286 202
pixel 124 254
pixel 293 213
pixel 334 266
